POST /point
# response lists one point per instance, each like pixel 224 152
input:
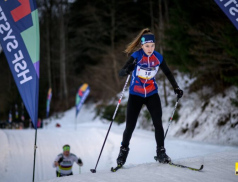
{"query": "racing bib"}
pixel 146 73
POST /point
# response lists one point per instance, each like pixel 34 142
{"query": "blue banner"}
pixel 19 38
pixel 81 96
pixel 230 8
pixel 49 96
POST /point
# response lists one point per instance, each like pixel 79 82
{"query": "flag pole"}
pixel 34 155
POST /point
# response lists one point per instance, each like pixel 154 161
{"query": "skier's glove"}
pixel 128 70
pixel 60 160
pixel 123 72
pixel 179 92
pixel 80 162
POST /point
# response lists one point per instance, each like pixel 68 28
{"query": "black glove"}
pixel 179 92
pixel 128 70
pixel 80 162
pixel 60 160
pixel 123 72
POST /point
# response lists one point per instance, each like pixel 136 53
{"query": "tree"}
pixel 63 6
pixel 203 44
pixel 105 30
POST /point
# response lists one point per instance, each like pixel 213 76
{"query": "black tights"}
pixel 134 106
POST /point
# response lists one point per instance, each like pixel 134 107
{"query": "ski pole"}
pixel 171 118
pixel 79 170
pixel 94 170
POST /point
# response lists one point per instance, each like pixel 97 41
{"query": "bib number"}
pixel 146 73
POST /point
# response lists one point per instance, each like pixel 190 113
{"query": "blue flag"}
pixel 19 38
pixel 81 96
pixel 49 96
pixel 230 8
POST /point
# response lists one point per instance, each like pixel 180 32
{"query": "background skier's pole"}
pixel 94 170
pixel 79 170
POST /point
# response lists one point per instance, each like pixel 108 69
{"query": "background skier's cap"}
pixel 66 148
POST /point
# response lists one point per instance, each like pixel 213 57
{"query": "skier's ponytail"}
pixel 135 44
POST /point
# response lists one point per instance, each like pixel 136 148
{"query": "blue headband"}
pixel 149 38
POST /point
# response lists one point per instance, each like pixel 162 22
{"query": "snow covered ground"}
pixel 17 154
pixel 202 116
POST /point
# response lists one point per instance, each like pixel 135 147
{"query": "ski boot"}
pixel 162 156
pixel 121 160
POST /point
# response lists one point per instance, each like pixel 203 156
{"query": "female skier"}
pixel 145 63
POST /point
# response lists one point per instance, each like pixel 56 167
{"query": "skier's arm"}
pixel 77 160
pixel 168 74
pixel 171 79
pixel 128 67
pixel 57 161
pixel 55 164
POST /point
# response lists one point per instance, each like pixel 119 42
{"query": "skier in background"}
pixel 64 162
pixel 145 62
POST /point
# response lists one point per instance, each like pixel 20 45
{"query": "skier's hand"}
pixel 128 70
pixel 179 92
pixel 123 72
pixel 80 162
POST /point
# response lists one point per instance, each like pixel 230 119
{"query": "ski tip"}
pixel 113 170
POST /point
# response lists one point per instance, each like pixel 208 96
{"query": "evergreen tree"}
pixel 203 41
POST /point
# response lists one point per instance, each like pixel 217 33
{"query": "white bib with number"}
pixel 146 73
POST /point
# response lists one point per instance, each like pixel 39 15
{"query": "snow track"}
pixel 17 155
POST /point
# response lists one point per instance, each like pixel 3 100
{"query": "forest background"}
pixel 83 42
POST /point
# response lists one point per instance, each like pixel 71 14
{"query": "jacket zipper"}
pixel 146 79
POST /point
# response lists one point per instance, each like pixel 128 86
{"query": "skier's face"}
pixel 66 153
pixel 148 48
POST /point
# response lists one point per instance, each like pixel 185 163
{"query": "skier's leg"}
pixel 134 106
pixel 133 109
pixel 70 174
pixel 58 174
pixel 154 106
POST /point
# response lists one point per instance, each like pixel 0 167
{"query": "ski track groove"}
pixel 218 161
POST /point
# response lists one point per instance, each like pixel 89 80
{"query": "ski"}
pixel 182 166
pixel 116 168
pixel 170 163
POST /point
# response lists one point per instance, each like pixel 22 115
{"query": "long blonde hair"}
pixel 135 44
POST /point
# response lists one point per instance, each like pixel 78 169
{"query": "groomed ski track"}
pixel 17 156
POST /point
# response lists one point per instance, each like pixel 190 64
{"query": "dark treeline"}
pixel 84 42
